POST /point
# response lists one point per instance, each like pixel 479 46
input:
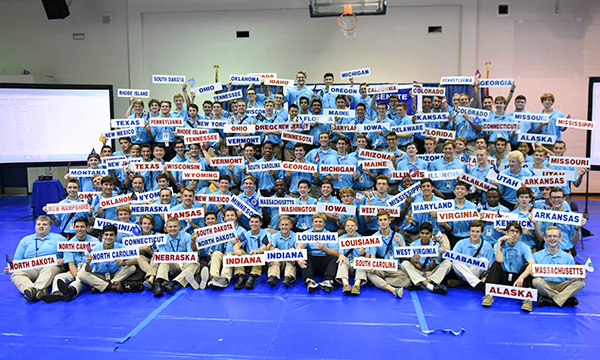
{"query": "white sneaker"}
pixel 204 275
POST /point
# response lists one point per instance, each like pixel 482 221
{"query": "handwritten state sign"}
pixel 340 113
pixel 337 169
pixel 208 88
pixel 105 160
pixel 577 124
pixel 33 263
pixel 533 138
pixel 529 117
pixel 570 271
pixel 401 197
pixel 401 174
pixel 344 90
pixel 241 140
pixel 373 154
pixel 440 134
pixel 554 181
pixel 127 123
pixel 382 89
pixel 200 175
pixel 243 260
pixel 256 111
pixel 226 161
pixel 473 112
pixel 567 218
pixel 215 234
pixel 286 255
pixel 299 167
pixel 568 175
pixel 362 263
pixel 194 213
pixel 165 121
pixel 355 73
pixel 500 126
pixel 136 241
pixel 404 252
pixel 65 208
pixel 213 199
pixel 457 215
pixel 444 174
pixel 175 257
pixel 100 256
pixel 298 138
pixel 475 182
pixel 429 91
pixel 114 201
pixel 149 209
pixel 263 166
pixel 182 166
pixel 212 124
pixel 366 210
pixel 502 223
pixel 364 128
pixel 233 129
pixel 272 127
pixel 74 246
pixel 491 216
pixel 201 138
pixel 180 131
pixel 432 117
pixel 481 263
pixel 569 161
pixel 374 164
pixel 313 237
pixel 298 209
pixel 237 203
pixel 511 292
pixel 495 83
pixel 358 242
pixel 168 79
pixel 129 228
pixel 280 82
pixel 427 206
pixel 228 96
pixel 244 79
pixel 336 208
pixel 347 128
pixel 133 92
pixel 408 129
pixel 275 202
pixel 85 195
pixel 119 133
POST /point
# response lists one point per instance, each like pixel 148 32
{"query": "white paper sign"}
pixel 561 217
pixel 529 117
pixel 208 88
pixel 577 124
pixel 362 263
pixel 237 94
pixel 33 263
pixel 67 207
pixel 481 263
pixel 175 257
pixel 122 123
pixel 428 91
pixel 355 73
pixel 133 92
pixel 363 241
pixel 410 251
pixel 120 133
pixel 569 161
pixel 427 206
pixel 168 79
pixel 99 256
pixel 495 83
pixel 313 237
pixel 511 292
pixel 457 80
pixel 336 208
pixel 570 271
pixel 533 138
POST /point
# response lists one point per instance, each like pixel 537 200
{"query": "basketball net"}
pixel 348 23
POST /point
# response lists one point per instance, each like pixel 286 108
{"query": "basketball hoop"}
pixel 348 22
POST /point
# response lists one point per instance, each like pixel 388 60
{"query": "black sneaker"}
pixel 440 289
pixel 51 298
pixel 241 282
pixel 545 301
pixel 251 282
pixel 311 285
pixel 158 291
pixel 287 281
pixel 327 286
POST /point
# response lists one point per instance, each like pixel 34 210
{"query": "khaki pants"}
pixel 147 265
pixel 275 269
pixel 396 279
pixel 288 154
pixel 559 292
pixel 470 274
pixel 98 280
pixel 216 260
pixel 418 276
pixel 344 271
pixel 164 269
pixel 39 279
